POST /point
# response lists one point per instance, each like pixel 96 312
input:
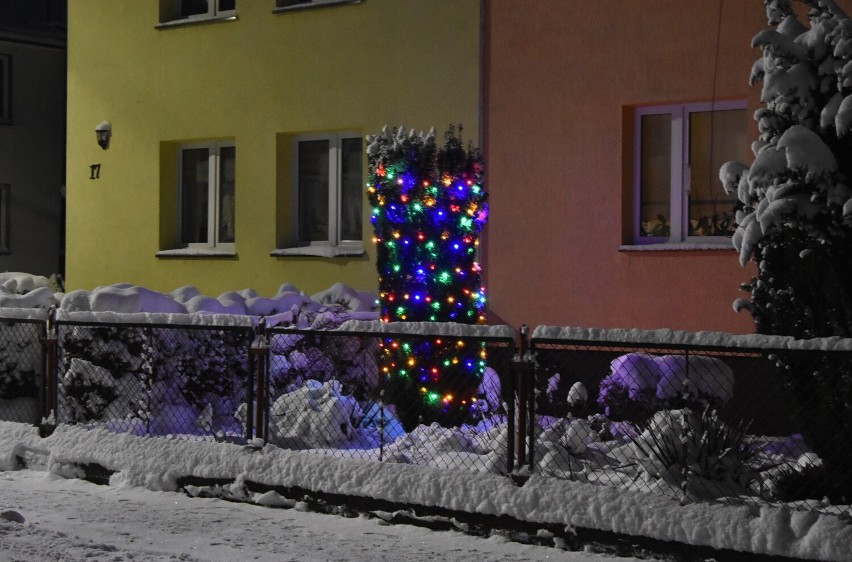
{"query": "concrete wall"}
pixel 32 157
pixel 257 80
pixel 562 78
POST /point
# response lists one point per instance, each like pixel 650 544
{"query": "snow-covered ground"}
pixel 152 466
pixel 73 520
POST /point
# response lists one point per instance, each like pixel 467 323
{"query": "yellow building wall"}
pixel 256 80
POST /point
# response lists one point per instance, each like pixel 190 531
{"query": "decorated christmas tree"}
pixel 429 207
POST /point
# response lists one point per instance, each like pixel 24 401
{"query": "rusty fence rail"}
pixel 734 423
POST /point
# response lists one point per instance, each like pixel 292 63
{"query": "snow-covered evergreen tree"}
pixel 796 218
pixel 796 215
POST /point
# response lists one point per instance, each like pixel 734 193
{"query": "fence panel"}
pixel 21 369
pixel 328 393
pixel 695 422
pixel 187 382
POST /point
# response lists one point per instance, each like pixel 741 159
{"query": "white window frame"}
pixel 213 12
pixel 680 171
pixel 213 184
pixel 335 197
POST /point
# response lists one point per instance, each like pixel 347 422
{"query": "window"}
pixel 5 89
pixel 286 5
pixel 679 149
pixel 191 10
pixel 206 190
pixel 328 189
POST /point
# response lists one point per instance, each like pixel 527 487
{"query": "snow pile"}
pixel 156 464
pixel 23 290
pixel 287 304
pixel 316 415
pixel 128 303
pixel 657 378
pixel 559 447
pixel 482 449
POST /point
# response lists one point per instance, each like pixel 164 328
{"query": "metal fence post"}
pixel 522 369
pixel 530 370
pixel 510 413
pixel 49 415
pixel 260 353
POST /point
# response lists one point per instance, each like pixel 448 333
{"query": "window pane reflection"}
pixel 313 190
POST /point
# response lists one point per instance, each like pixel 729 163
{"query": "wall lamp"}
pixel 103 132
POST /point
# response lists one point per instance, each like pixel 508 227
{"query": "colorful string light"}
pixel 429 207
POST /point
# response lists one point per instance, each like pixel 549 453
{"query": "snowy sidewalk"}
pixel 73 520
pixel 157 464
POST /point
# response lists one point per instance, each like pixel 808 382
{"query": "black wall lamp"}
pixel 103 132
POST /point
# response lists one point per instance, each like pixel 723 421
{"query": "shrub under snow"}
pixel 641 383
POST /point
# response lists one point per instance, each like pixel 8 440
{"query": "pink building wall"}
pixel 560 79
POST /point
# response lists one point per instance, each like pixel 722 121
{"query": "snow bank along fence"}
pixel 693 416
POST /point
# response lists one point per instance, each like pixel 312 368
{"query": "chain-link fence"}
pixel 696 422
pixel 338 393
pixel 188 382
pixel 21 369
pixel 320 391
pixel 728 422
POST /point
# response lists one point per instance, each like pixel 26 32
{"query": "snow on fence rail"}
pixel 693 416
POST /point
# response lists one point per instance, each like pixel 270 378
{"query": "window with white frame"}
pixel 190 10
pixel 328 179
pixel 678 150
pixel 207 190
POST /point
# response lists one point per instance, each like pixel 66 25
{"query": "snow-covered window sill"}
pixel 281 9
pixel 320 251
pixel 677 247
pixel 195 21
pixel 196 253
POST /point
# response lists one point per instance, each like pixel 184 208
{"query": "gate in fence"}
pixel 668 413
pixel 22 369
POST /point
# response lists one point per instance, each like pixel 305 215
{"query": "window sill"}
pixel 320 251
pixel 311 5
pixel 678 247
pixel 195 21
pixel 196 253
